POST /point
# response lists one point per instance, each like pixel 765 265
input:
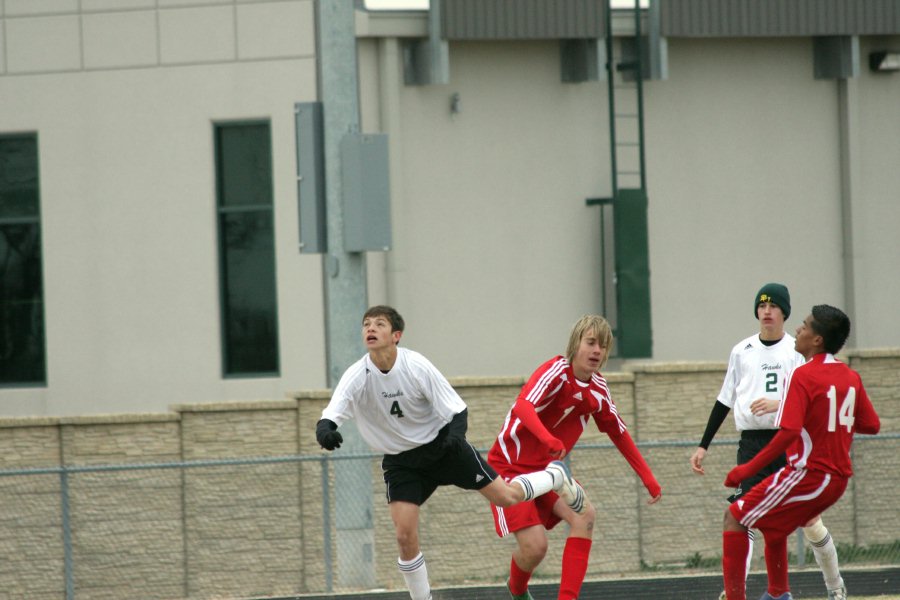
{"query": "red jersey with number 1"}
pixel 564 406
pixel 825 401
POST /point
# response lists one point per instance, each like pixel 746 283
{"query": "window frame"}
pixel 222 211
pixel 35 220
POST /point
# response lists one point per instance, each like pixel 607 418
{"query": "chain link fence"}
pixel 290 525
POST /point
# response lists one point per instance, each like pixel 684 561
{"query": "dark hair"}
pixel 387 312
pixel 832 324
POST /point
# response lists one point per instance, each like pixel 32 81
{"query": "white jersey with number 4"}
pixel 398 410
pixel 757 371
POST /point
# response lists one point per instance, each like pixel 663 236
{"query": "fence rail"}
pixel 232 528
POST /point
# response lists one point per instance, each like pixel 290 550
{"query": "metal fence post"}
pixel 326 524
pixel 67 534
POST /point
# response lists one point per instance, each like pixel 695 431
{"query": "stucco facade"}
pixel 495 252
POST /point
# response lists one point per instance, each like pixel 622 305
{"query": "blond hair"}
pixel 590 325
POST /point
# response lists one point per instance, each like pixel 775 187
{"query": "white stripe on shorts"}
pixel 814 494
pixel 775 493
pixel 501 521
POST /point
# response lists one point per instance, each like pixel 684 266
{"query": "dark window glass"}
pixel 247 249
pixel 22 348
pixel 245 166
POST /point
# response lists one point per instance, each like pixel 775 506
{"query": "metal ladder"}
pixel 626 107
pixel 623 216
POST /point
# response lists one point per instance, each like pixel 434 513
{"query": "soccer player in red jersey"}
pixel 825 403
pixel 549 415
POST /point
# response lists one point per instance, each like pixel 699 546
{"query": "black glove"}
pixel 327 434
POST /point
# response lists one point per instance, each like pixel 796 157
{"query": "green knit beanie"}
pixel 775 293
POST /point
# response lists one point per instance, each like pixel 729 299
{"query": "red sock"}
pixel 518 579
pixel 735 546
pixel 777 566
pixel 574 566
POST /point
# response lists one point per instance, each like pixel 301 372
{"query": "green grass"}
pixel 695 562
pixel 850 553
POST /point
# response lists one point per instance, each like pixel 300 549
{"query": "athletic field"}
pixel 862 584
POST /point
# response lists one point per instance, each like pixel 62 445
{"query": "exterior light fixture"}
pixel 884 61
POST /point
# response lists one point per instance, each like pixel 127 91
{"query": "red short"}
pixel 526 514
pixel 787 499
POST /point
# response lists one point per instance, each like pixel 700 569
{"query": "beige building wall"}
pixel 744 168
pixel 877 213
pixel 124 97
pixel 493 237
pixel 495 252
pixel 744 180
pixel 744 189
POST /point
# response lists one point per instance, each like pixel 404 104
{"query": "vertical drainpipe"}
pixel 611 99
pixel 389 85
pixel 848 136
pixel 848 120
pixel 639 83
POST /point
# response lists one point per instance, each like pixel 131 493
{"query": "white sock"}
pixel 416 575
pixel 535 484
pixel 750 536
pixel 826 554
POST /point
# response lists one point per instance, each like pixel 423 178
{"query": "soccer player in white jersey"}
pixel 549 416
pixel 405 408
pixel 824 404
pixel 758 368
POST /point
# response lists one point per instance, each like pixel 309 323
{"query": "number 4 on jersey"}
pixel 395 410
pixel 844 416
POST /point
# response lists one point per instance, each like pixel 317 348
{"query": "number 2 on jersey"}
pixel 844 416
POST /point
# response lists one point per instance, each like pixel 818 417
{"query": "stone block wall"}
pixel 197 516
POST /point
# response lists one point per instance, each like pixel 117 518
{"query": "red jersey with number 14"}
pixel 564 406
pixel 825 401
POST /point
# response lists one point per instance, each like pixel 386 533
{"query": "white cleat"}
pixel 564 485
pixel 838 594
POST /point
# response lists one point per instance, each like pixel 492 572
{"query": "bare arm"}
pixel 716 417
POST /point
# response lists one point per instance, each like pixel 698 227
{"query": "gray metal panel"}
pixel 776 18
pixel 835 57
pixel 582 60
pixel 427 61
pixel 523 19
pixel 310 177
pixel 367 196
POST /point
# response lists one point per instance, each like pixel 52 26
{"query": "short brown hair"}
pixel 590 325
pixel 389 313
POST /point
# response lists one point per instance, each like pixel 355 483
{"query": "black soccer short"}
pixel 414 475
pixel 752 442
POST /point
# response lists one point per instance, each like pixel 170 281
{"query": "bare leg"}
pixel 411 562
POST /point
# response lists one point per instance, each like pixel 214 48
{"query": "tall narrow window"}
pixel 246 249
pixel 22 348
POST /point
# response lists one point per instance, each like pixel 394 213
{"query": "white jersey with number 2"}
pixel 757 371
pixel 398 410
